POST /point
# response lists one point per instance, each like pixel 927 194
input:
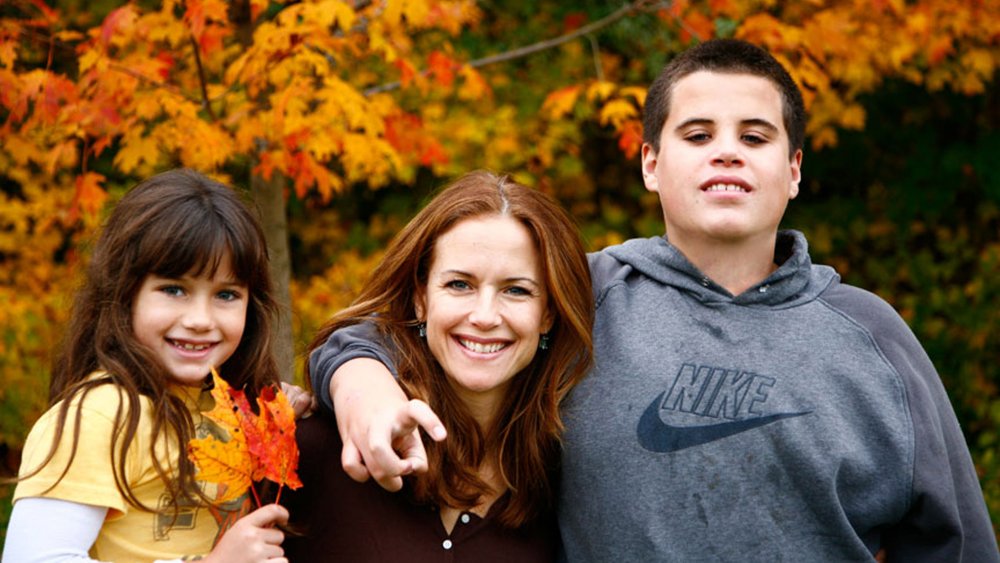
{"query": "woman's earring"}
pixel 543 341
pixel 422 330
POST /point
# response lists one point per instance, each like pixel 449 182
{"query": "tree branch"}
pixel 205 102
pixel 595 50
pixel 626 10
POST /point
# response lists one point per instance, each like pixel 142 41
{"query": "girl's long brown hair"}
pixel 172 224
pixel 524 442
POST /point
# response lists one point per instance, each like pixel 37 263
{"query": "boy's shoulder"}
pixel 885 326
pixel 608 263
pixel 864 307
pixel 608 267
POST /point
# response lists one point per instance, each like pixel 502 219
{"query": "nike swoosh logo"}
pixel 660 437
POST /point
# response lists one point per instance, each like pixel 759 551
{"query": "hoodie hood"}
pixel 796 280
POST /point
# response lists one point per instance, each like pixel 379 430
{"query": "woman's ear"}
pixel 548 320
pixel 419 304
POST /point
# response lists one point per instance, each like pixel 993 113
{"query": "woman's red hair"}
pixel 524 443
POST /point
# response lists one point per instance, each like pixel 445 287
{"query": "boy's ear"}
pixel 649 159
pixel 796 174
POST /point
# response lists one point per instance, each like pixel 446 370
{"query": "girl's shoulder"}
pixel 101 395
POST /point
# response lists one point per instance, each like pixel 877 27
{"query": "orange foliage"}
pixel 259 446
pixel 837 50
pixel 143 89
pixel 301 91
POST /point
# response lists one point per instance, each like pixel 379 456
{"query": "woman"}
pixel 485 298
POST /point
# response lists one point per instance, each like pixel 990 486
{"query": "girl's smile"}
pixel 192 323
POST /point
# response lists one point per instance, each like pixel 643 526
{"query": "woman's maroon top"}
pixel 342 520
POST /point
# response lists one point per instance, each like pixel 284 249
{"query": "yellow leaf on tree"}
pixel 413 11
pixel 134 151
pixel 981 61
pixel 616 112
pixel 89 195
pixel 635 92
pixel 600 91
pixel 560 102
pixel 474 86
pixel 8 52
pixel 335 12
pixel 215 146
pixel 853 117
pixel 89 58
pixel 392 15
pixel 68 35
pixel 21 151
pixel 379 43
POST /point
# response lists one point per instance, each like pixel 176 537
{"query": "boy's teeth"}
pixel 725 188
pixel 483 348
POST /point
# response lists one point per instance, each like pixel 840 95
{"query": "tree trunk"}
pixel 270 199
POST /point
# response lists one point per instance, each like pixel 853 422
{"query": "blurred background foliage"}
pixel 900 192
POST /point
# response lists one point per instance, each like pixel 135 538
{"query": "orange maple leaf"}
pixel 259 446
pixel 441 68
pixel 407 72
pixel 200 16
pixel 698 26
pixel 225 463
pixel 561 102
pixel 433 153
pixel 630 138
pixel 89 196
pixel 117 20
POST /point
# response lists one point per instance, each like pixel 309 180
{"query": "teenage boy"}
pixel 744 404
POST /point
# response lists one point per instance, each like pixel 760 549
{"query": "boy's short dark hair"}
pixel 726 56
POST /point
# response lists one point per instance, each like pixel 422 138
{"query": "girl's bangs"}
pixel 197 248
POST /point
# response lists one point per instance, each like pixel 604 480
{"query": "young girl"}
pixel 178 283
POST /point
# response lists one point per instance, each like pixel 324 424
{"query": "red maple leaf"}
pixel 442 68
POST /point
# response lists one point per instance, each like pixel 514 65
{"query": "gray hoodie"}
pixel 798 421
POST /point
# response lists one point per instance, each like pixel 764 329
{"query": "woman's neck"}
pixel 450 515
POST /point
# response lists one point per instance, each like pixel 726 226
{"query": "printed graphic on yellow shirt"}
pixel 225 514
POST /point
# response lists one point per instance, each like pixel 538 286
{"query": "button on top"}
pixel 465 518
pixel 446 544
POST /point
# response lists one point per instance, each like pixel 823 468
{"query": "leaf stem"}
pixel 256 497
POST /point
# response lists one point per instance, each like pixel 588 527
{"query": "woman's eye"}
pixel 458 284
pixel 518 290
